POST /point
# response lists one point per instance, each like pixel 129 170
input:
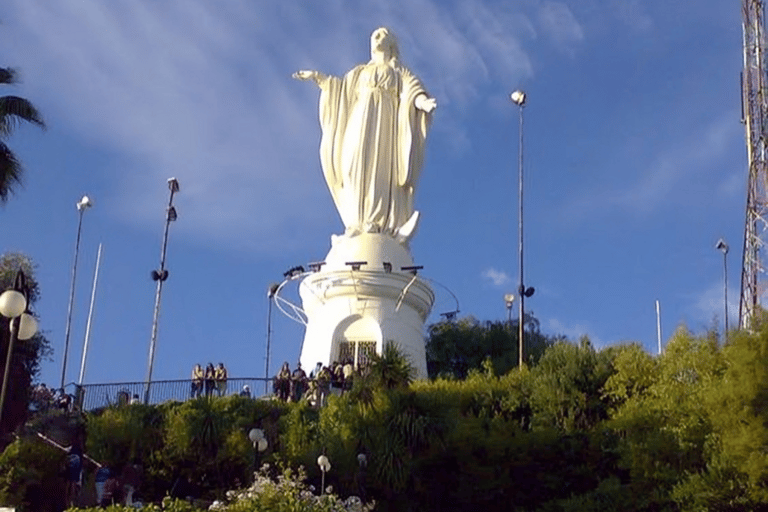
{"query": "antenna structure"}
pixel 754 96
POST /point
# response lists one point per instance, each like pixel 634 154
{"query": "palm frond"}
pixel 8 76
pixel 10 172
pixel 13 110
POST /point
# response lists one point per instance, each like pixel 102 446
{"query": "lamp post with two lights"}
pixel 22 325
pixel 160 276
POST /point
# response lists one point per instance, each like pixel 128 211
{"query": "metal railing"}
pixel 94 396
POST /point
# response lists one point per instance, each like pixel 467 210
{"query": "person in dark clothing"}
pixel 210 379
pixel 112 491
pixel 283 382
pixel 298 383
pixel 74 472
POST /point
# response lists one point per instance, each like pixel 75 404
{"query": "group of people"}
pixel 45 398
pixel 323 380
pixel 210 379
pixel 113 487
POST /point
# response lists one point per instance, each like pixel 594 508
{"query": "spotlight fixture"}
pixel 84 203
pixel 356 264
pixel 722 246
pixel 315 266
pixel 518 98
pixel 387 267
pixel 449 315
pixel 159 275
pixel 293 272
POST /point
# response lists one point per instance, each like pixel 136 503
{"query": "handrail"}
pixel 94 396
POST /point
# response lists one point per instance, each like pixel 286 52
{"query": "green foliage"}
pixel 456 347
pixel 13 110
pixel 392 368
pixel 583 429
pixel 29 475
pixel 568 386
pixel 288 492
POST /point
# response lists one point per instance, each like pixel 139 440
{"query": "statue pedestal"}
pixel 351 313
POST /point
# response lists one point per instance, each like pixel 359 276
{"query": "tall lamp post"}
pixel 13 305
pixel 518 98
pixel 271 291
pixel 160 276
pixel 723 247
pixel 82 205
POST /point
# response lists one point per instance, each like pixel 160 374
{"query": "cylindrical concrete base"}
pixel 362 298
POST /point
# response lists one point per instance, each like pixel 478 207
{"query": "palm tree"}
pixel 393 368
pixel 13 110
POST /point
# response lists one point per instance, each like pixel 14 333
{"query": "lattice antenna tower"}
pixel 754 117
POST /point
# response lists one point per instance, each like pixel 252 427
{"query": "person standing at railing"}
pixel 210 379
pixel 220 375
pixel 197 381
pixel 298 383
pixel 283 382
pixel 324 384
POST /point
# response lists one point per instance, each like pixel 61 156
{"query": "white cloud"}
pixel 708 304
pixel 574 332
pixel 676 164
pixel 560 25
pixel 496 277
pixel 633 14
pixel 670 174
pixel 204 94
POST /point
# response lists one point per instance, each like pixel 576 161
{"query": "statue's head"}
pixel 384 40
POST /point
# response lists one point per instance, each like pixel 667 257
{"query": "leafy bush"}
pixel 287 493
pixel 29 476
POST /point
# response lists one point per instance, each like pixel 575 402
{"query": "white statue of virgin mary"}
pixel 374 122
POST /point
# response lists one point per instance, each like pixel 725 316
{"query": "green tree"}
pixel 568 386
pixel 735 473
pixel 13 110
pixel 456 347
pixel 662 422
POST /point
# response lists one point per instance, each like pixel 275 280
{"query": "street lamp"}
pixel 325 466
pixel 84 203
pixel 723 247
pixel 260 444
pixel 160 276
pixel 509 298
pixel 13 305
pixel 518 98
pixel 362 462
pixel 271 292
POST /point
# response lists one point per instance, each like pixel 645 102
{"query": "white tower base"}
pixel 360 299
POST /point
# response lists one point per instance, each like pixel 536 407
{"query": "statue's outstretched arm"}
pixel 425 103
pixel 316 76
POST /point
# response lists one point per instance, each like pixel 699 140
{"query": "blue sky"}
pixel 634 164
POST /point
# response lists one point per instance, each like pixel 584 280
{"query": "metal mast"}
pixel 753 100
